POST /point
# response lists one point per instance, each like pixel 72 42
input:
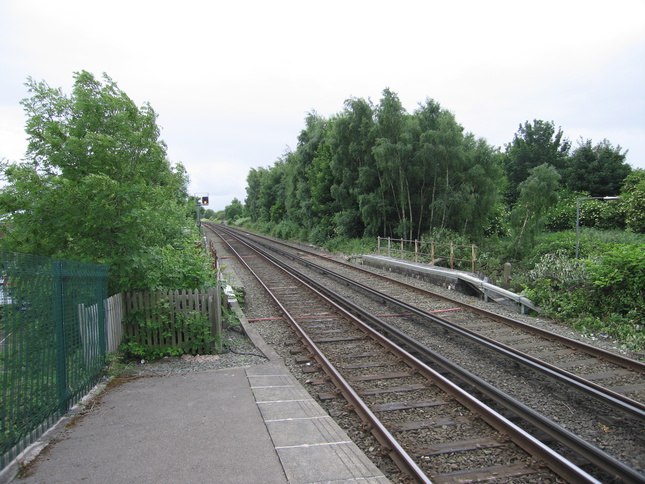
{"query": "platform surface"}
pixel 236 425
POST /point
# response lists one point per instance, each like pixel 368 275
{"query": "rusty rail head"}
pixel 544 454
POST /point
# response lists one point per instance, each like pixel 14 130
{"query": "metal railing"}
pixel 430 252
pixel 52 343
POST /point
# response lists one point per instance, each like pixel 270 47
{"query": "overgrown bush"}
pixel 618 278
pixel 153 338
pixel 286 230
pixel 557 282
pixel 366 245
pixel 602 295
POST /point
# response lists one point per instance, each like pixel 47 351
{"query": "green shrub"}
pixel 601 296
pixel 618 278
pixel 159 328
pixel 558 284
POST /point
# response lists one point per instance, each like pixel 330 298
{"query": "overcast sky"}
pixel 233 81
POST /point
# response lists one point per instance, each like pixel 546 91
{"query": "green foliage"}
pixel 366 245
pixel 233 211
pixel 599 170
pixel 557 279
pixel 159 328
pixel 633 202
pixel 286 230
pixel 534 144
pixel 180 266
pixel 618 278
pixel 604 294
pixel 601 214
pixel 97 186
pixel 377 170
pixel 562 216
pixel 537 194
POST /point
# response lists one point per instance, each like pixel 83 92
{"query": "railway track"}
pixel 623 376
pixel 610 466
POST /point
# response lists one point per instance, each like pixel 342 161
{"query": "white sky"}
pixel 233 81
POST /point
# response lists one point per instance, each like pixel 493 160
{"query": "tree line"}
pixel 375 169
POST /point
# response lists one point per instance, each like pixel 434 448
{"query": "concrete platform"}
pixel 236 425
pixel 456 280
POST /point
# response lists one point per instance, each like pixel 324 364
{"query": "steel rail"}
pixel 629 363
pixel 544 454
pixel 616 400
pixel 595 455
pixel 592 453
pixel 402 459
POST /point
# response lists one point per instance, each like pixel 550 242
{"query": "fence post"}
pixel 474 258
pixel 215 315
pixel 101 292
pixel 59 322
pixel 452 255
pixel 402 256
pixel 507 275
pixel 432 252
pixel 389 246
pixel 378 245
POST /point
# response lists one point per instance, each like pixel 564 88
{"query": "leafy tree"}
pixel 97 186
pixel 353 171
pixel 480 187
pixel 266 200
pixel 320 179
pixel 537 194
pixel 209 214
pixel 300 203
pixel 598 170
pixel 533 145
pixel 444 149
pixel 254 181
pixel 392 153
pixel 371 171
pixel 234 210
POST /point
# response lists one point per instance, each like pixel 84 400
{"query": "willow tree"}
pixel 351 139
pixel 391 153
pixel 538 193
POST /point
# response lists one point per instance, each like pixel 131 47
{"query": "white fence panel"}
pixel 114 311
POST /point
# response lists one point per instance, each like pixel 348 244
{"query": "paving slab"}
pixel 310 444
pixel 190 427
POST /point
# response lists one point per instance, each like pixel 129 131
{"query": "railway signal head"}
pixel 204 200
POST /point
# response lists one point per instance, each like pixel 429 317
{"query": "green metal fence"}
pixel 52 343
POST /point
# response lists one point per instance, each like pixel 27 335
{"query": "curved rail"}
pixel 560 465
pixel 617 400
pixel 397 453
pixel 590 452
pixel 630 364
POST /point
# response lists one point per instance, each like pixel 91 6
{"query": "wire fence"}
pixel 52 343
pixel 462 257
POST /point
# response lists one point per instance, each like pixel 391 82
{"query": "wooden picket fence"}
pixel 177 306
